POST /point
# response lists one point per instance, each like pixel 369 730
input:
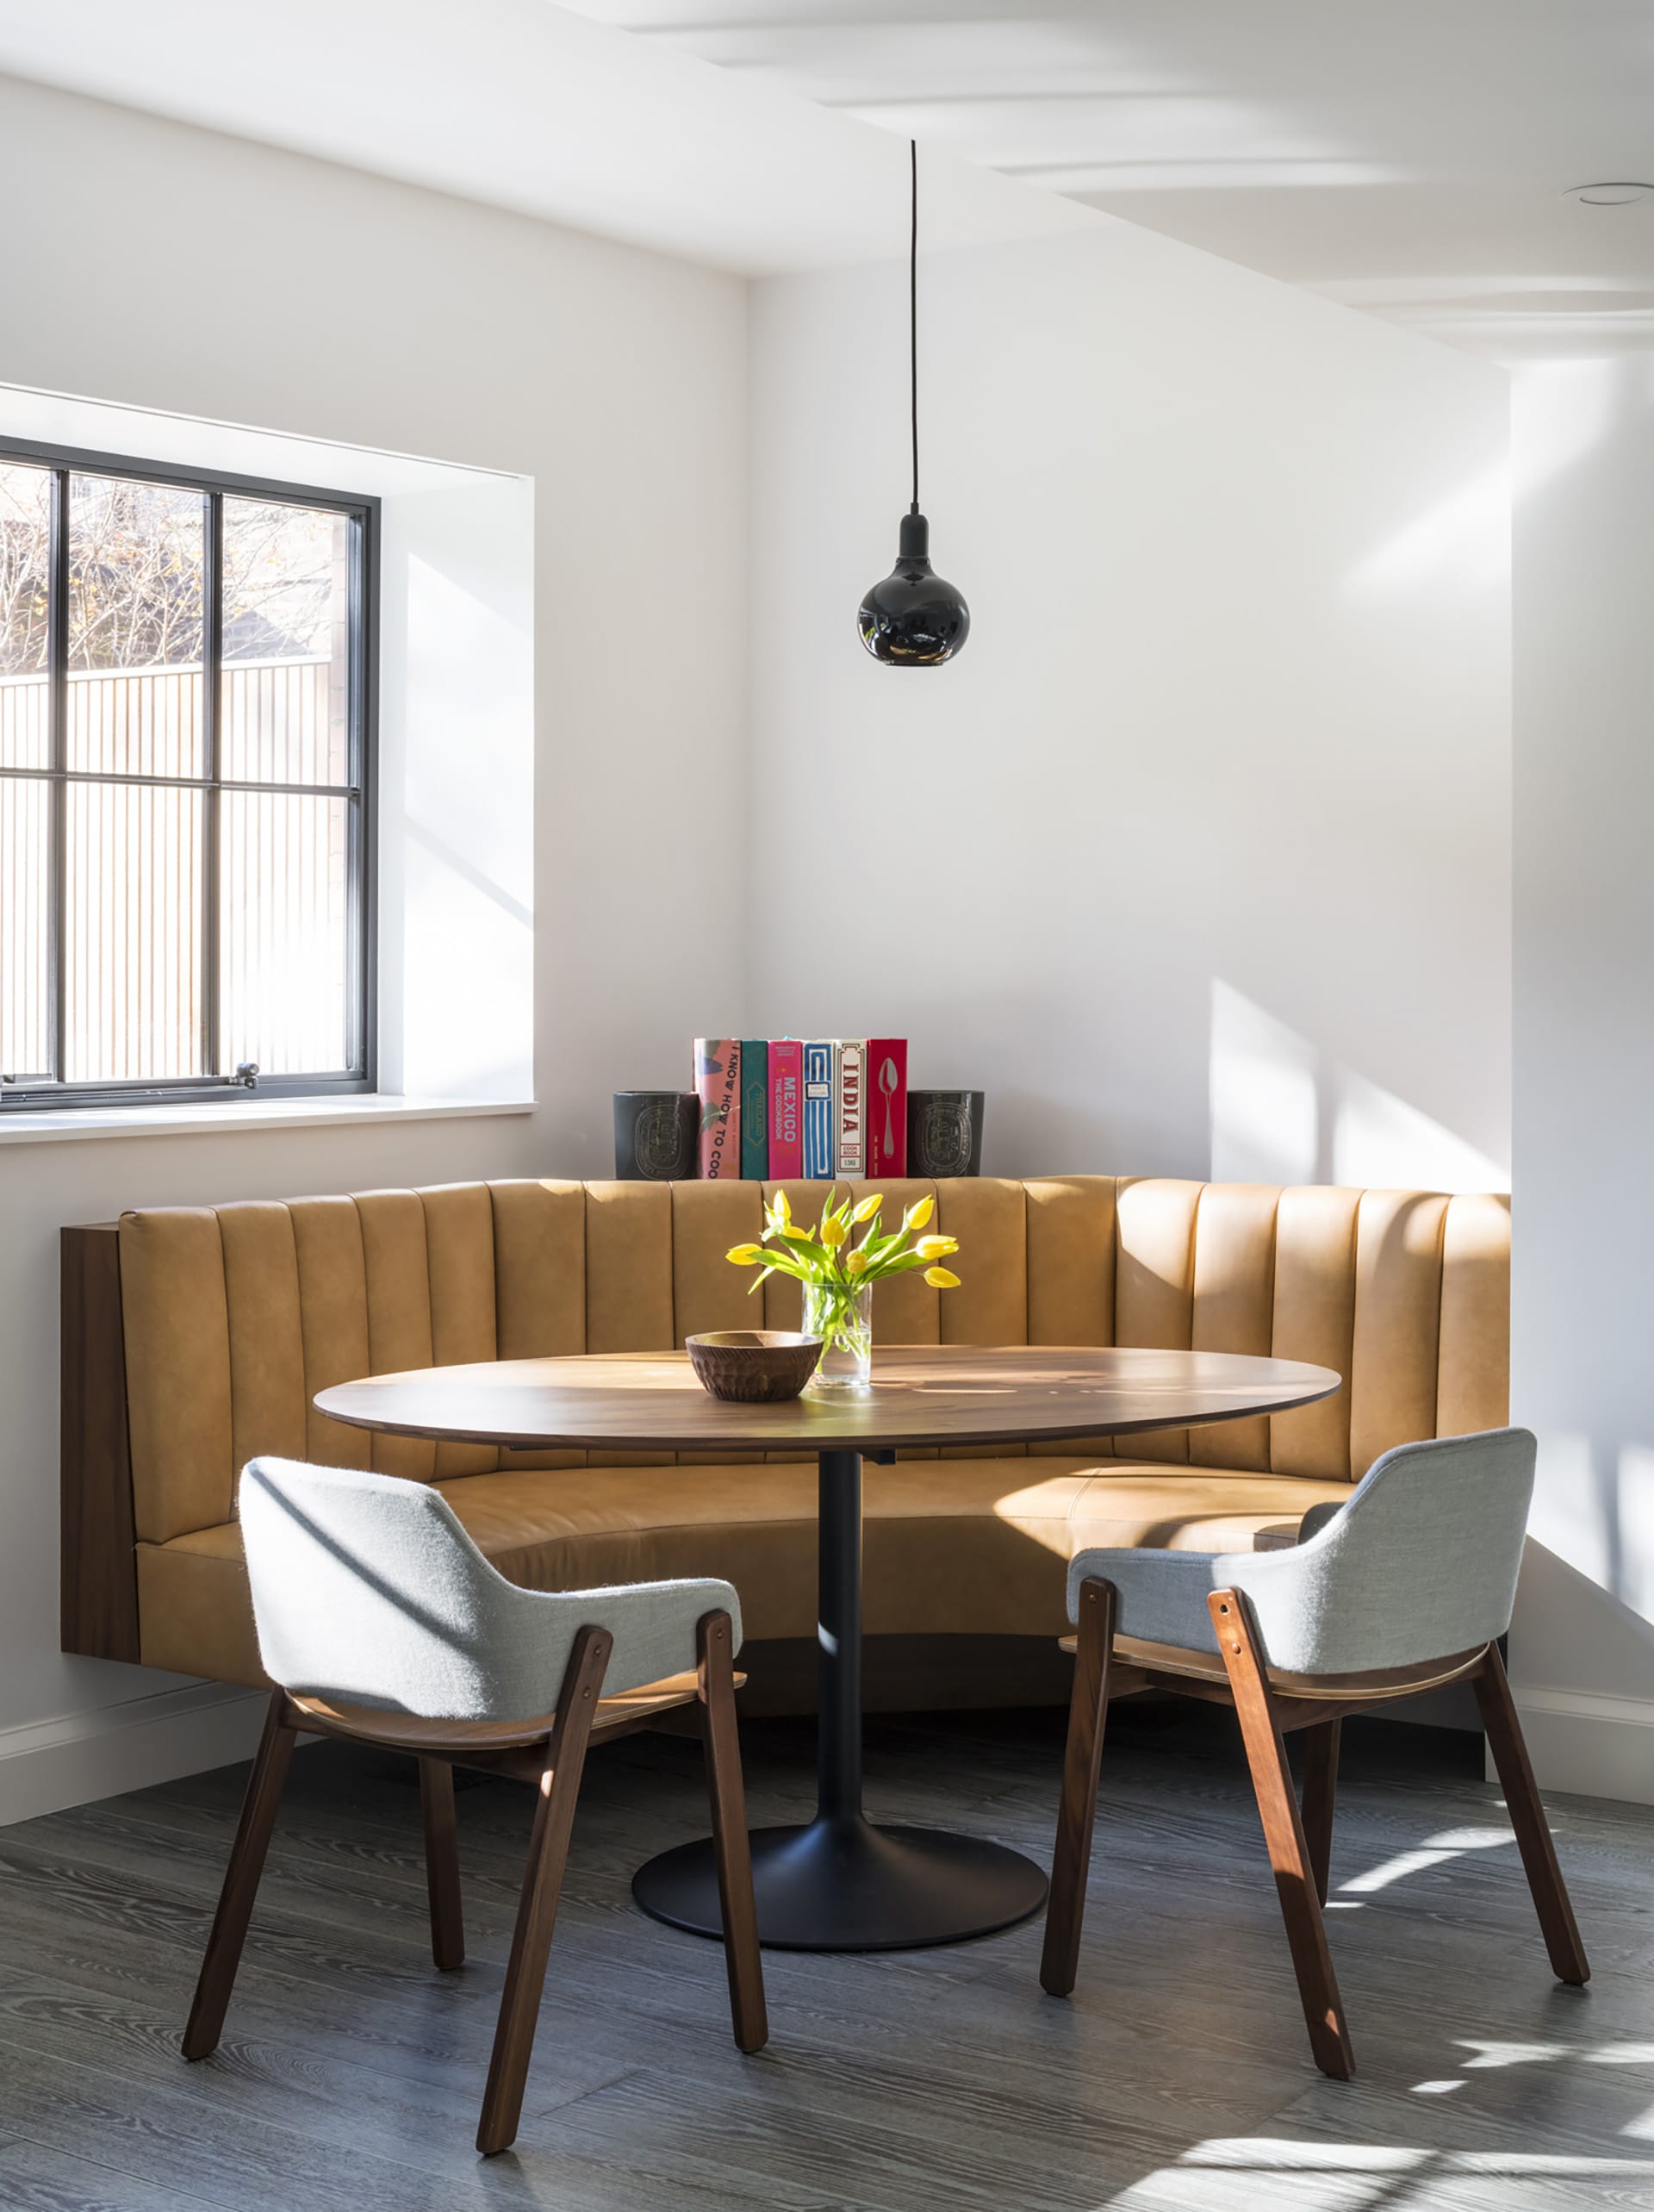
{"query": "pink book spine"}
pixel 786 1109
pixel 886 1078
pixel 718 1081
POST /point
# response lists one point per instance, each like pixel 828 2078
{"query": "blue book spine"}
pixel 754 1109
pixel 818 1112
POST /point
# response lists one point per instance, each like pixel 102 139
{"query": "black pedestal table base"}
pixel 840 1883
pixel 851 1886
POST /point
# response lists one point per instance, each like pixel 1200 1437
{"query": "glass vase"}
pixel 843 1318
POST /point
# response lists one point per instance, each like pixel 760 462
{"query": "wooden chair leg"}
pixel 229 1932
pixel 537 1909
pixel 1082 1758
pixel 1288 1854
pixel 442 1863
pixel 1509 1750
pixel 1320 1792
pixel 716 1638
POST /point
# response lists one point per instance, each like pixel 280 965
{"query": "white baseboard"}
pixel 47 1765
pixel 1589 1742
pixel 1586 1743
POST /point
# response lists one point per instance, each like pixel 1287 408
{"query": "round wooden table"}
pixel 838 1883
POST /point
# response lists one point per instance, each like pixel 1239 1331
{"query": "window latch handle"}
pixel 246 1075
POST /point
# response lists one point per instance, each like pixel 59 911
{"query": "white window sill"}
pixel 47 1127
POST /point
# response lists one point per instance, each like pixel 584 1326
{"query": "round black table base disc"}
pixel 849 1886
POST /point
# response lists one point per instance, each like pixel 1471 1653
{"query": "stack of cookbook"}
pixel 778 1109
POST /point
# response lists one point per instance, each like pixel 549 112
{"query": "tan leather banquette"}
pixel 195 1337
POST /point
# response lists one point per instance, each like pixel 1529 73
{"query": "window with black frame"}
pixel 185 796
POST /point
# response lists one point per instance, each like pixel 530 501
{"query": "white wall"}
pixel 1197 856
pixel 338 306
pixel 1583 1376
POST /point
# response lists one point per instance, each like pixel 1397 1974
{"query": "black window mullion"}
pixel 57 661
pixel 28 774
pixel 211 653
pixel 358 794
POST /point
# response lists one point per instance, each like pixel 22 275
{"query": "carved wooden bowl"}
pixel 754 1367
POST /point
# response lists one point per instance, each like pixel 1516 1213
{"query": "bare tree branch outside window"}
pixel 25 547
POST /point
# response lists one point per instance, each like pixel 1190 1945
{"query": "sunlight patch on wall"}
pixel 1265 1112
pixel 1464 542
pixel 1576 408
pixel 1597 1514
pixel 1634 1500
pixel 1465 539
pixel 1566 1515
pixel 1284 1111
pixel 459 817
pixel 1379 1141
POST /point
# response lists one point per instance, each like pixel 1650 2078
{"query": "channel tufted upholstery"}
pixel 236 1316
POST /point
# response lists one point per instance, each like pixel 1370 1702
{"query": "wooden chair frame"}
pixel 550 1753
pixel 1271 1706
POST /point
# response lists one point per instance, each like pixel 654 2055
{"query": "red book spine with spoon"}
pixel 887 1106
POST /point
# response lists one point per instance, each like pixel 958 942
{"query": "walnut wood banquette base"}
pixel 195 1338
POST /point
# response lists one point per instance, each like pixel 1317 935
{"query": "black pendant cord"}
pixel 913 317
pixel 913 618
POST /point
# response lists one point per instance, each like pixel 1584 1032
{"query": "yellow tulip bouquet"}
pixel 837 1275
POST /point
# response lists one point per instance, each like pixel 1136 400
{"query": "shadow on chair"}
pixel 1423 1558
pixel 304 1568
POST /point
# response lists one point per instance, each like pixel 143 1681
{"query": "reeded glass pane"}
pixel 135 559
pixel 286 705
pixel 134 932
pixel 25 567
pixel 283 958
pixel 25 819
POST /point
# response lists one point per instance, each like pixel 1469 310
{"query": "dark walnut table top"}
pixel 947 1394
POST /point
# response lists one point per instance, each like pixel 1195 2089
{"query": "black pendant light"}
pixel 913 619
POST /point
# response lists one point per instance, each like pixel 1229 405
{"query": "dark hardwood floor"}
pixel 1175 2078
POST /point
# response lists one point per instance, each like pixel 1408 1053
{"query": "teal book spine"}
pixel 754 1109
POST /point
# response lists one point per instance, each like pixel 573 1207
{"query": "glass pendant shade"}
pixel 914 618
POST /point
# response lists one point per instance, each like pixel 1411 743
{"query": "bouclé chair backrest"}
pixel 367 1590
pixel 1423 1560
pixel 235 1316
pixel 1418 1564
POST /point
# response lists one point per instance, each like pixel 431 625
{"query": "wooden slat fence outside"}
pixel 134 921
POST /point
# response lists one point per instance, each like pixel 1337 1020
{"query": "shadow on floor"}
pixel 1177 2076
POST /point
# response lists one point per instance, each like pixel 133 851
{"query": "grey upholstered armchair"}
pixel 381 1622
pixel 1405 1587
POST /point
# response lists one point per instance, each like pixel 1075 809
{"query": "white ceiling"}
pixel 527 106
pixel 1406 156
